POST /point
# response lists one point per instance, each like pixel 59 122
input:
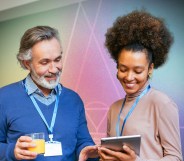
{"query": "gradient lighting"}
pixel 94 79
pixel 87 68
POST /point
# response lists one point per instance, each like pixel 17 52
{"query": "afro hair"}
pixel 143 28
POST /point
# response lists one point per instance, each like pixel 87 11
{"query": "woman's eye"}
pixel 122 70
pixel 138 72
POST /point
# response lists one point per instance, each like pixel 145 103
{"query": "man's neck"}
pixel 45 91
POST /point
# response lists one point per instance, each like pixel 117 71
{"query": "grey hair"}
pixel 27 55
pixel 31 37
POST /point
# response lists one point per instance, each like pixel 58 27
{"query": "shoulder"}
pixel 117 103
pixel 11 89
pixel 69 92
pixel 116 106
pixel 71 100
pixel 159 96
pixel 161 100
pixel 164 107
pixel 70 95
pixel 11 95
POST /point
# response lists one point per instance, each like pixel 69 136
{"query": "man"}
pixel 39 103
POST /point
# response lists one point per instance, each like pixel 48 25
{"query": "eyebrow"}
pixel 137 67
pixel 46 59
pixel 60 56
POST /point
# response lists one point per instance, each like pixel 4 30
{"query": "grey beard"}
pixel 45 84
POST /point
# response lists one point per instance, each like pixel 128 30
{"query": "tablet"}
pixel 116 143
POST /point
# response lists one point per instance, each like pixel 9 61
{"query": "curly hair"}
pixel 140 27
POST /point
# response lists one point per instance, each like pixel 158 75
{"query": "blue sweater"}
pixel 18 117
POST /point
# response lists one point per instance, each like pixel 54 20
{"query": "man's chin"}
pixel 48 85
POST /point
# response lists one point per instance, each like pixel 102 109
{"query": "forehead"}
pixel 47 49
pixel 132 58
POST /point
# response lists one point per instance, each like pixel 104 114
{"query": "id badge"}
pixel 53 148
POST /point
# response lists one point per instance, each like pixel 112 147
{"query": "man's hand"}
pixel 21 148
pixel 88 152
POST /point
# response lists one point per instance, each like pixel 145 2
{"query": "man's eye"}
pixel 57 60
pixel 44 63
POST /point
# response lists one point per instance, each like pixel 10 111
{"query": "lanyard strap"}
pixel 50 129
pixel 130 111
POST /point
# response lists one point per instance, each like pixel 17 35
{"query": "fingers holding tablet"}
pixel 123 143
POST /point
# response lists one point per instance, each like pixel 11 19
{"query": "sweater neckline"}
pixel 131 97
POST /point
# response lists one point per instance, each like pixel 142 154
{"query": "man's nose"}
pixel 53 68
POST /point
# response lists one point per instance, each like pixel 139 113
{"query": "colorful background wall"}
pixel 87 68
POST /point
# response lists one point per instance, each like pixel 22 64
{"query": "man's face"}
pixel 45 66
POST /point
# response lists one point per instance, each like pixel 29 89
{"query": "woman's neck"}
pixel 130 97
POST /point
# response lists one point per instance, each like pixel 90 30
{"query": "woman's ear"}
pixel 26 64
pixel 150 70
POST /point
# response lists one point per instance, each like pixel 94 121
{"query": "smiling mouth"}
pixel 51 75
pixel 129 85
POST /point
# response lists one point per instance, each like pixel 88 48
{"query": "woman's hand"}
pixel 109 155
pixel 21 148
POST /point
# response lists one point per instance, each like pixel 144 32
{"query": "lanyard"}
pixel 130 111
pixel 50 128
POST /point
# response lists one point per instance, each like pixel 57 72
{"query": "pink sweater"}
pixel 156 119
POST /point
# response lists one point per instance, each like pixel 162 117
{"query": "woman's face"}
pixel 133 70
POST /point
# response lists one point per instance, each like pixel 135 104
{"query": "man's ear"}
pixel 26 64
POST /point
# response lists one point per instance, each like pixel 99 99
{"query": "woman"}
pixel 139 43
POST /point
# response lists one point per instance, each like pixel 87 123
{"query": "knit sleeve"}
pixel 169 132
pixel 6 149
pixel 83 136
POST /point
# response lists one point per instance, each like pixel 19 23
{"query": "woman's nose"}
pixel 129 76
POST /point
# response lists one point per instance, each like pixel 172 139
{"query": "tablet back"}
pixel 116 143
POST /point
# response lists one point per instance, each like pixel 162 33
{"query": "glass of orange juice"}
pixel 39 140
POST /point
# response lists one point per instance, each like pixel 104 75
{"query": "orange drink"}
pixel 40 146
pixel 39 140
